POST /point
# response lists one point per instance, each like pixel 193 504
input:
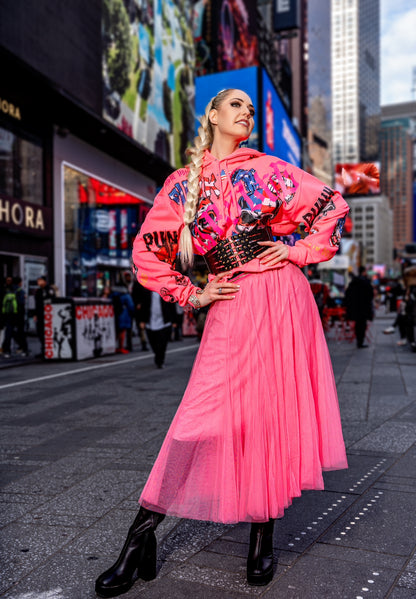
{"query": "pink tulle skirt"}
pixel 259 420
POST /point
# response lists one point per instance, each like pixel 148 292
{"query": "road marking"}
pixel 95 367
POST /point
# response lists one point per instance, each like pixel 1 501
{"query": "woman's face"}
pixel 234 118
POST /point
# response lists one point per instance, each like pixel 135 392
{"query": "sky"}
pixel 398 50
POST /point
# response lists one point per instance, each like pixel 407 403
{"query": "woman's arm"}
pixel 323 212
pixel 155 249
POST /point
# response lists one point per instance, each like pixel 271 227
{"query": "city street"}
pixel 78 440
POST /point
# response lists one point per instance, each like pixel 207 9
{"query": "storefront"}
pixel 26 226
pixel 99 207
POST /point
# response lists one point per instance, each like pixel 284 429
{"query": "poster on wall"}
pixel 208 86
pixel 280 137
pixel 94 329
pixel 148 67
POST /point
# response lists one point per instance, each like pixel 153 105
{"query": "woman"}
pixel 259 420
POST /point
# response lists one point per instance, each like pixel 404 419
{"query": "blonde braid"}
pixel 202 142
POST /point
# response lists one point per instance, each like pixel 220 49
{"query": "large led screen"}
pixel 148 66
pixel 225 35
pixel 280 137
pixel 358 178
pixel 208 86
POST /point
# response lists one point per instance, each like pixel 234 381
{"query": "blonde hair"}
pixel 202 142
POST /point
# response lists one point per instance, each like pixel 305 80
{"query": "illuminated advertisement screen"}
pixel 280 137
pixel 361 178
pixel 208 86
pixel 224 35
pixel 148 65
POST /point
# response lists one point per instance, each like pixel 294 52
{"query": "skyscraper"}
pixel 355 40
pixel 398 168
pixel 319 89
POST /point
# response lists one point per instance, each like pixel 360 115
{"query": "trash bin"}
pixel 79 328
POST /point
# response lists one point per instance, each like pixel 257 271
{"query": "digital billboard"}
pixel 148 66
pixel 225 35
pixel 280 137
pixel 208 86
pixel 358 179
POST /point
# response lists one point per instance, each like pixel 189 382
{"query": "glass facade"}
pixel 101 222
pixel 21 167
pixel 355 31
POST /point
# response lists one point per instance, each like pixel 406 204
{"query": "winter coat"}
pixel 359 299
pixel 245 190
pixel 123 308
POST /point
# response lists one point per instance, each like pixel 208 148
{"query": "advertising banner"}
pixel 358 179
pixel 148 66
pixel 59 334
pixel 94 329
pixel 225 35
pixel 208 86
pixel 280 137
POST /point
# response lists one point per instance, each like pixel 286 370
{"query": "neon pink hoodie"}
pixel 238 193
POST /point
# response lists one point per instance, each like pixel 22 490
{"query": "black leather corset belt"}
pixel 236 250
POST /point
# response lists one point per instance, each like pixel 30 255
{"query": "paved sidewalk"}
pixel 78 442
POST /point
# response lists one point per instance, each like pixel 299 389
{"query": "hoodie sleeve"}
pixel 323 213
pixel 155 249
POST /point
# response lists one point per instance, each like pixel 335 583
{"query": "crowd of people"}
pixel 362 296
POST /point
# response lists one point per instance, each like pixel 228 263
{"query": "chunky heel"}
pixel 260 555
pixel 136 560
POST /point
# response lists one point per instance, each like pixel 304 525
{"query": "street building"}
pixel 398 169
pixel 355 50
pixel 373 225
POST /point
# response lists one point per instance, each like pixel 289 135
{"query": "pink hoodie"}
pixel 238 193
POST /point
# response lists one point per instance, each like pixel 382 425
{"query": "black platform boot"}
pixel 260 554
pixel 138 555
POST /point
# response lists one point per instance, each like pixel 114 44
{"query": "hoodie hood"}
pixel 240 155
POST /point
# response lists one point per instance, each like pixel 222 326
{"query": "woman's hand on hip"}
pixel 218 289
pixel 276 252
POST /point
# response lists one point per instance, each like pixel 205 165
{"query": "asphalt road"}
pixel 78 440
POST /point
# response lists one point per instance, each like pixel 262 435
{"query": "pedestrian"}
pixel 157 317
pixel 20 316
pixel 9 316
pixel 409 276
pixel 123 314
pixel 137 295
pixel 359 297
pixel 177 323
pixel 127 278
pixel 320 292
pixel 43 293
pixel 259 420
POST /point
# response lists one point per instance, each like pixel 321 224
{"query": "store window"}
pixel 21 167
pixel 101 222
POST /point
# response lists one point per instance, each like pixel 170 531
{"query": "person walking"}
pixel 21 316
pixel 137 295
pixel 43 293
pixel 259 419
pixel 9 309
pixel 157 317
pixel 123 312
pixel 359 297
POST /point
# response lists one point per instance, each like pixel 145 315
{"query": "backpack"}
pixel 9 305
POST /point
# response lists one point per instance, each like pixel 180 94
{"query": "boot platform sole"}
pixel 122 588
pixel 259 580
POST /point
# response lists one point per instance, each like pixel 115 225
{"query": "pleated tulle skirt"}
pixel 259 420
